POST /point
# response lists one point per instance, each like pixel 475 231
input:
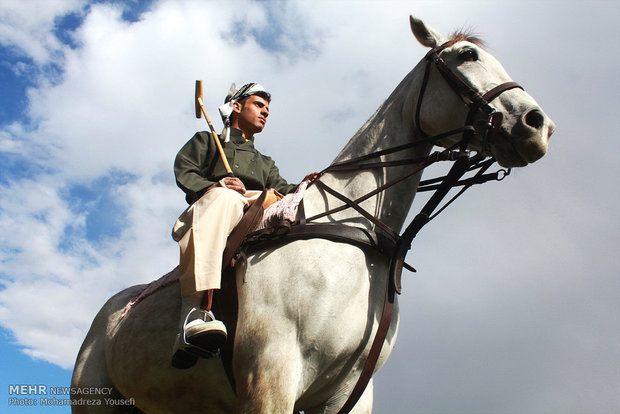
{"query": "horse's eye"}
pixel 468 55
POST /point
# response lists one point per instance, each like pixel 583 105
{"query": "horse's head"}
pixel 520 131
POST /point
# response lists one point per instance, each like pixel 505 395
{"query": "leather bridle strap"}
pixel 472 98
pixel 496 91
pixel 355 163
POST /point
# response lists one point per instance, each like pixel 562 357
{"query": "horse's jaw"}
pixel 521 142
pixel 514 152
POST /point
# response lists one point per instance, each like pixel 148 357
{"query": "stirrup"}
pixel 193 349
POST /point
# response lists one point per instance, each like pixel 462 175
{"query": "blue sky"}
pixel 17 70
pixel 514 306
pixel 18 73
pixel 18 368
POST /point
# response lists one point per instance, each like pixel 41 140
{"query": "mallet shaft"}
pixel 215 136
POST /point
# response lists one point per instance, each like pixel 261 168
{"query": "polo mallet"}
pixel 200 110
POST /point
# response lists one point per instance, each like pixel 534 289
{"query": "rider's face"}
pixel 251 115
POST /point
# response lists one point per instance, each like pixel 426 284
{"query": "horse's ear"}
pixel 426 35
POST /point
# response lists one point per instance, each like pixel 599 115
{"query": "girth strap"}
pixel 331 231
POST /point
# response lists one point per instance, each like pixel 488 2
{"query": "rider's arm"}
pixel 192 164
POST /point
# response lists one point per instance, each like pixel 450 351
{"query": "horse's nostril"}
pixel 535 119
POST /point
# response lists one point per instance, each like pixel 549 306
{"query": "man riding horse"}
pixel 217 201
pixel 316 316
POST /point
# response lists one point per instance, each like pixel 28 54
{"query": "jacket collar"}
pixel 236 136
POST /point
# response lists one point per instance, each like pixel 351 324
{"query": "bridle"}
pixel 476 103
pixel 471 97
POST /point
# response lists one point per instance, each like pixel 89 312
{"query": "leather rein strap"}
pixel 397 262
pixel 476 103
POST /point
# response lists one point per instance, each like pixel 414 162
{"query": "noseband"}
pixel 471 97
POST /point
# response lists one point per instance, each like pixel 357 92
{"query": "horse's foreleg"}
pixel 334 404
pixel 268 376
pixel 271 387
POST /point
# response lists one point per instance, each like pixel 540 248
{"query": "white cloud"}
pixel 515 304
pixel 27 26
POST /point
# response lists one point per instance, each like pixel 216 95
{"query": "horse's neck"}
pixel 387 128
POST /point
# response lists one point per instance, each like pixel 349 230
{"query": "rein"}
pixel 463 164
pixel 475 102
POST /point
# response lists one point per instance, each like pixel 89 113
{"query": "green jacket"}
pixel 198 165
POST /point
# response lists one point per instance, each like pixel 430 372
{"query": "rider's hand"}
pixel 233 183
pixel 312 176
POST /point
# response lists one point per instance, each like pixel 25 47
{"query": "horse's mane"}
pixel 465 36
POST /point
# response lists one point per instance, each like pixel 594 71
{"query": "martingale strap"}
pixel 477 103
pixel 459 168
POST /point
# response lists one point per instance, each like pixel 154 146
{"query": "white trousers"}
pixel 202 231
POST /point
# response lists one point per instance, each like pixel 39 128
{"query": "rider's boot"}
pixel 201 335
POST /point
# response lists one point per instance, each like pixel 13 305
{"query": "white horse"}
pixel 309 309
